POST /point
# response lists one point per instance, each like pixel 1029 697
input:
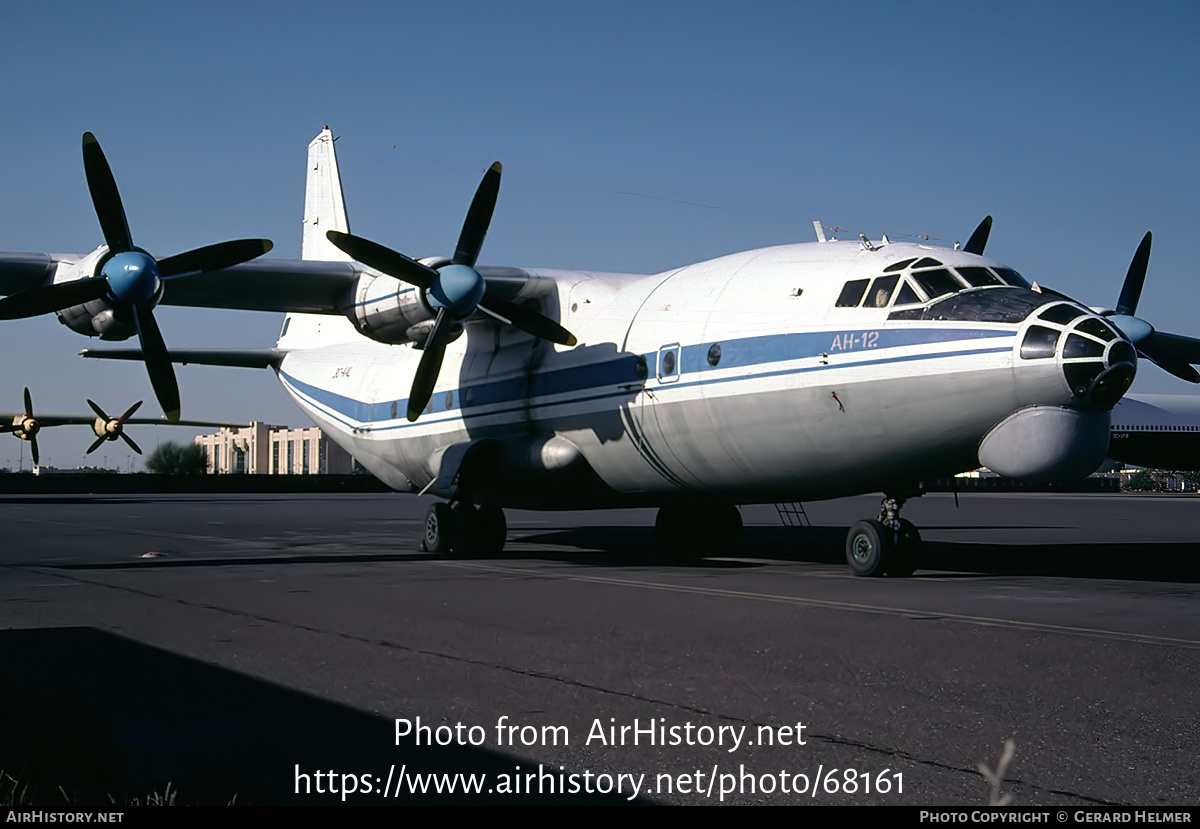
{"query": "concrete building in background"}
pixel 263 449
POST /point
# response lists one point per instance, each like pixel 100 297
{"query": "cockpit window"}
pixel 1062 314
pixel 978 277
pixel 899 266
pixel 907 296
pixel 1012 277
pixel 937 283
pixel 852 293
pixel 928 263
pixel 1097 328
pixel 1078 346
pixel 1039 343
pixel 881 291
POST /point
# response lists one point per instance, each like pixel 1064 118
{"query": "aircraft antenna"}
pixel 820 230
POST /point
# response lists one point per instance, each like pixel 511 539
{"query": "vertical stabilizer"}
pixel 324 205
pixel 324 210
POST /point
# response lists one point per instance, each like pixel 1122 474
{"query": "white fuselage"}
pixel 736 379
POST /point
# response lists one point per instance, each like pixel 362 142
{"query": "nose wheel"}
pixel 889 545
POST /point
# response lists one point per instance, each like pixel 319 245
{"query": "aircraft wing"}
pixel 239 358
pixel 25 271
pixel 260 285
pixel 298 286
pixel 45 421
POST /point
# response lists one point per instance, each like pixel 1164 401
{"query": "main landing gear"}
pixel 464 528
pixel 889 546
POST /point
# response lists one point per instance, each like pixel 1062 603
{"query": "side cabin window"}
pixel 852 293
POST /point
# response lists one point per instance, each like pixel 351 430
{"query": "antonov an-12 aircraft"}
pixel 791 373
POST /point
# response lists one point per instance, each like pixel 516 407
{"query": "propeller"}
pixel 130 278
pixel 111 428
pixel 454 291
pixel 1174 353
pixel 25 426
pixel 979 238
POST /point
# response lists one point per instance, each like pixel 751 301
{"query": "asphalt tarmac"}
pixel 261 649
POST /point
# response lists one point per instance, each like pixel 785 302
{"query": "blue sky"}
pixel 635 136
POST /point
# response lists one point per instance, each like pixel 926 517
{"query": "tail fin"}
pixel 324 210
pixel 324 205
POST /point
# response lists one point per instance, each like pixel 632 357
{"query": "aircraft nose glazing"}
pixel 1099 364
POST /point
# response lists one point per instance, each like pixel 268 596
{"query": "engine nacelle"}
pixel 389 311
pixel 98 318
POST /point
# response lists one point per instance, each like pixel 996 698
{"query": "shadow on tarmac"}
pixel 633 546
pixel 111 721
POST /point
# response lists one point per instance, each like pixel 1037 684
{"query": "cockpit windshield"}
pixel 923 281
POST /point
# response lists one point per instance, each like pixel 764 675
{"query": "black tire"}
pixel 465 520
pixel 439 529
pixel 669 530
pixel 726 536
pixel 490 531
pixel 867 548
pixel 904 559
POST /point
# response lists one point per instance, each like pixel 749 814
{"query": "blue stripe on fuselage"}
pixel 615 377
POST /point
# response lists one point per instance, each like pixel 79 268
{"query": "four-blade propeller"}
pixel 130 278
pixel 454 291
pixel 1173 353
pixel 110 428
pixel 25 426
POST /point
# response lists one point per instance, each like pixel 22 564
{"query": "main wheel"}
pixel 439 528
pixel 490 531
pixel 670 530
pixel 903 561
pixel 725 528
pixel 867 548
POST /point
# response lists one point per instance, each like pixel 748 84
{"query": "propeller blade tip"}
pixel 496 168
pixel 172 415
pixel 88 138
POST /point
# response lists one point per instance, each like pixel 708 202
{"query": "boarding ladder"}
pixel 793 514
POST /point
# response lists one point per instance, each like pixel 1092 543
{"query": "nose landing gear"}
pixel 889 546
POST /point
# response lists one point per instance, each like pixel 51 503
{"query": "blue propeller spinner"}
pixel 452 291
pixel 130 279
